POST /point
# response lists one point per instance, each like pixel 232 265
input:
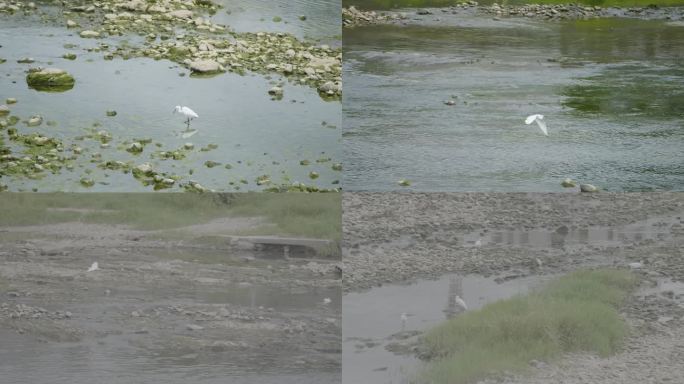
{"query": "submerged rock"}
pixel 50 79
pixel 4 110
pixel 111 113
pixel 11 100
pixel 34 121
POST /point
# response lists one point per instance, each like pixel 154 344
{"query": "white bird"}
pixel 540 122
pixel 93 267
pixel 461 303
pixel 327 301
pixel 478 243
pixel 187 112
pixel 404 318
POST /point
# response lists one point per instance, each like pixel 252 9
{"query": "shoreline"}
pixel 353 17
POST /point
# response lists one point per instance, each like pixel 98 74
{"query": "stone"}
pixel 588 188
pixel 181 14
pixel 206 66
pixel 276 91
pixel 34 121
pixel 71 24
pixel 4 110
pixel 11 100
pixel 50 79
pixel 568 183
pixel 89 34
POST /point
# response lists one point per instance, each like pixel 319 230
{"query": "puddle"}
pixel 370 318
pixel 24 360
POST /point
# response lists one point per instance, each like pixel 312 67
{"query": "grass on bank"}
pixel 312 215
pixel 394 4
pixel 577 312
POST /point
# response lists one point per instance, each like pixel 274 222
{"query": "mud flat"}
pixel 416 251
pixel 163 306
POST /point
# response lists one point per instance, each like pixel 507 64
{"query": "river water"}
pixel 611 90
pixel 255 135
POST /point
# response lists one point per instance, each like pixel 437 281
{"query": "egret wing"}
pixel 542 125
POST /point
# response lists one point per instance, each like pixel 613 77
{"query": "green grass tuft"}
pixel 577 312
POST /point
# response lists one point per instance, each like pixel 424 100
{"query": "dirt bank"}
pixel 162 306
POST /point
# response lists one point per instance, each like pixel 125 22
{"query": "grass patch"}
pixel 299 214
pixel 394 4
pixel 577 312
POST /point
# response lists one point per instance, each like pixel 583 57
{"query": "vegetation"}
pixel 393 4
pixel 314 215
pixel 577 312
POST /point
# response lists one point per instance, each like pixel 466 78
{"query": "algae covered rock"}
pixel 50 80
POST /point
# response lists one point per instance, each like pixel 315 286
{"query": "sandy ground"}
pixel 391 238
pixel 220 309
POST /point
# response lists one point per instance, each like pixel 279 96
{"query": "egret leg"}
pixel 188 124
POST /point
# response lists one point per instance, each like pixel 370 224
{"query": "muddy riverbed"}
pixel 413 253
pixel 163 307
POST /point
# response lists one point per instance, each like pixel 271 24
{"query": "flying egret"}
pixel 187 112
pixel 93 267
pixel 540 122
pixel 461 303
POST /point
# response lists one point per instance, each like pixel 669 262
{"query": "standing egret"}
pixel 93 267
pixel 327 301
pixel 187 112
pixel 404 318
pixel 540 122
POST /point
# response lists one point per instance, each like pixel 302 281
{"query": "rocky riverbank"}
pixel 355 17
pixel 182 31
pixel 399 237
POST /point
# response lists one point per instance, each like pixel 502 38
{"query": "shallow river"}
pixel 611 90
pixel 255 135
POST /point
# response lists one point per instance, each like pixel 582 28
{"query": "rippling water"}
pixel 612 92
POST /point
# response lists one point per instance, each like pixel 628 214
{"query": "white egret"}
pixel 404 318
pixel 539 119
pixel 187 112
pixel 327 301
pixel 93 267
pixel 461 303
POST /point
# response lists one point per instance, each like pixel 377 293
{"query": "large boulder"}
pixel 206 67
pixel 50 80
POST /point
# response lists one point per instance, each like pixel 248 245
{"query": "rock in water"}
pixel 568 183
pixel 50 80
pixel 588 188
pixel 206 67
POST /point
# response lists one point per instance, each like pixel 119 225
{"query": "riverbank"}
pixel 415 248
pixel 164 304
pixel 354 17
